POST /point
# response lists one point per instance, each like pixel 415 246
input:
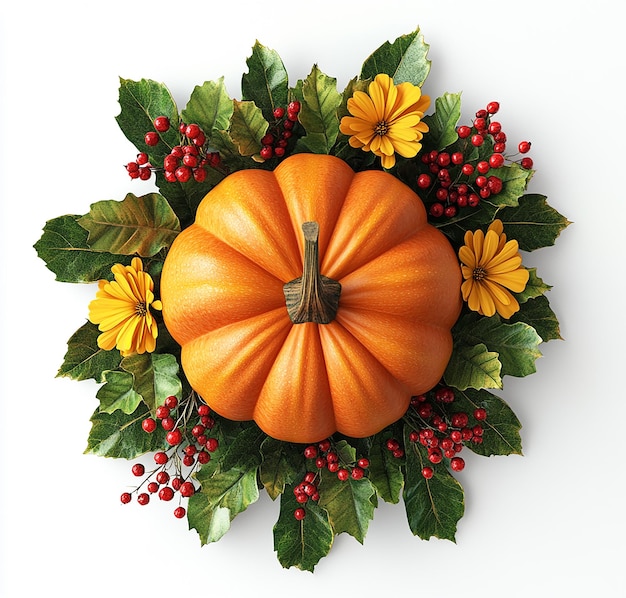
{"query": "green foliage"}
pixel 247 128
pixel 473 366
pixel 442 123
pixel 210 107
pixel 136 225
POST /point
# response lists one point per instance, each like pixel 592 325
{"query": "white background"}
pixel 550 523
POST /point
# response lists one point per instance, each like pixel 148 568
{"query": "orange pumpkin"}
pixel 228 278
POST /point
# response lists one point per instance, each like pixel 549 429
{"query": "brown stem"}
pixel 312 297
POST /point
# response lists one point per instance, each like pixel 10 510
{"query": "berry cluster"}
pixel 275 141
pixel 326 457
pixel 187 425
pixel 188 160
pixel 444 435
pixel 464 176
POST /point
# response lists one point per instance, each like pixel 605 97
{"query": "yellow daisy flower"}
pixel 388 120
pixel 492 266
pixel 122 310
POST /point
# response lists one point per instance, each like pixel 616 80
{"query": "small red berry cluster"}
pixel 456 180
pixel 326 457
pixel 191 446
pixel 444 435
pixel 188 160
pixel 275 141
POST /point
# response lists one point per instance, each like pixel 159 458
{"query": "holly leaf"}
pixel 304 543
pixel 63 247
pixel 222 496
pixel 385 471
pixel 538 314
pixel 266 83
pixel 403 60
pixel 118 393
pixel 533 222
pixel 155 377
pixel 84 359
pixel 442 123
pixel 473 367
pixel 434 506
pixel 501 429
pixel 535 287
pixel 210 107
pixel 281 464
pixel 247 127
pixel 120 435
pixel 244 451
pixel 134 226
pixel 141 102
pixel 516 344
pixel 350 504
pixel 318 114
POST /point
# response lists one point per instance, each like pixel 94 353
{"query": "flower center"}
pixel 479 273
pixel 381 128
pixel 140 309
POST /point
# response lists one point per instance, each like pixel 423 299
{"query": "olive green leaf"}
pixel 118 393
pixel 538 314
pixel 535 287
pixel 136 225
pixel 473 366
pixel 403 60
pixel 282 461
pixel 210 107
pixel 385 471
pixel 442 123
pixel 84 359
pixel 247 127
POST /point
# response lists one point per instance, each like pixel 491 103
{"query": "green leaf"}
pixel 247 128
pixel 244 451
pixel 501 429
pixel 404 60
pixel 120 435
pixel 538 314
pixel 222 496
pixel 434 506
pixel 141 102
pixel 301 544
pixel 442 123
pixel 533 223
pixel 210 107
pixel 385 471
pixel 318 114
pixel 535 287
pixel 266 83
pixel 350 504
pixel 515 179
pixel 516 344
pixel 84 359
pixel 282 462
pixel 473 367
pixel 63 247
pixel 155 377
pixel 118 393
pixel 136 225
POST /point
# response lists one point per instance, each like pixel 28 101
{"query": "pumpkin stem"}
pixel 312 297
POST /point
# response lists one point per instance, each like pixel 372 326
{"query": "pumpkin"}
pixel 311 299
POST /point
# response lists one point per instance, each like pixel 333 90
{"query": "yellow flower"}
pixel 388 120
pixel 492 266
pixel 122 310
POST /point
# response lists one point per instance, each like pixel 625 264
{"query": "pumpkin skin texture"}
pixel 223 301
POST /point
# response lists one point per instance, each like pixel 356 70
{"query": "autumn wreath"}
pixel 318 301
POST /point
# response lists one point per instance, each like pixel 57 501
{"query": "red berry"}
pixel 423 181
pixel 179 512
pixel 279 151
pixel 212 444
pixel 153 487
pixel 299 513
pixel 464 131
pixel 279 112
pixel 324 445
pixel 494 128
pixel 357 473
pixel 477 140
pixel 493 107
pixel 183 174
pixel 364 463
pixel 166 493
pixel 428 472
pixel 436 210
pixel 199 140
pixel 188 460
pixel 483 167
pixel 145 173
pixel 496 160
pixel 527 163
pixel 203 410
pixel 138 469
pixel 467 169
pixel 203 457
pixel 149 425
pixel 142 158
pixel 151 138
pixel 494 184
pixel 457 464
pixel 310 452
pixel 174 437
pixel 161 123
pixel 343 474
pixel 192 131
pixel 125 498
pixel 162 477
pixel 480 414
pixel 168 423
pixel 187 489
pixel 162 412
pixel 171 402
pixel 143 498
pixel 266 152
pixel 457 158
pixel 160 458
pixel 524 147
pixel 199 175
